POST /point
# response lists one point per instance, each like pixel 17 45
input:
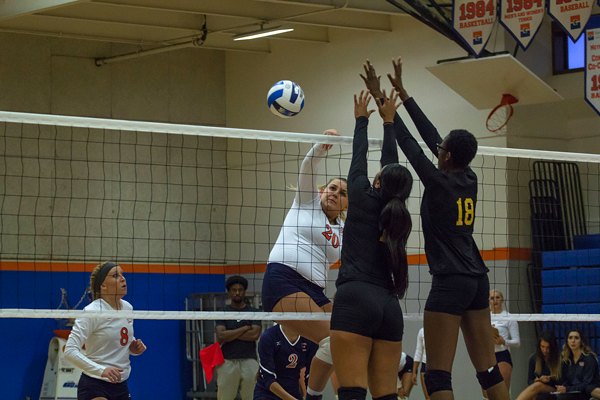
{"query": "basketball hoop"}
pixel 499 117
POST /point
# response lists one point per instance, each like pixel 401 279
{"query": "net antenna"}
pixel 498 119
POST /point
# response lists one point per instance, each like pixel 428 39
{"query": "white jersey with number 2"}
pixel 106 340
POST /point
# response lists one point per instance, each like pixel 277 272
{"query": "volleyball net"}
pixel 181 208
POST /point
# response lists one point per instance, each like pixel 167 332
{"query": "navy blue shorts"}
pixel 408 367
pixel 367 310
pixel 454 294
pixel 423 368
pixel 504 356
pixel 89 388
pixel 280 281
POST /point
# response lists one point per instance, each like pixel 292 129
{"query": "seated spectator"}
pixel 579 368
pixel 544 369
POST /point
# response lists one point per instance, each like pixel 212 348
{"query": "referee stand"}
pixel 60 377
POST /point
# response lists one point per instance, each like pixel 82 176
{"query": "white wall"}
pixel 328 74
pixel 93 194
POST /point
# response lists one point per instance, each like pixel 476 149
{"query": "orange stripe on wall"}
pixel 500 253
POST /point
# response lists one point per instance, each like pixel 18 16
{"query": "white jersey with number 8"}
pixel 106 340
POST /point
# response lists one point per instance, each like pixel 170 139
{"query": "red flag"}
pixel 210 357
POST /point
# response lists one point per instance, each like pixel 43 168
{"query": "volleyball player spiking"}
pixel 108 342
pixel 459 290
pixel 309 243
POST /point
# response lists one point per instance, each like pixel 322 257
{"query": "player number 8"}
pixel 124 336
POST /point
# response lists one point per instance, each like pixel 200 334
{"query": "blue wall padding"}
pixel 570 277
pixel 569 308
pixel 548 295
pixel 165 339
pixel 582 308
pixel 559 277
pixel 594 276
pixel 571 258
pixel 560 309
pixel 573 294
pixel 586 242
pixel 548 278
pixel 583 276
pixel 560 295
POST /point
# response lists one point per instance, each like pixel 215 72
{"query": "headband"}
pixel 102 275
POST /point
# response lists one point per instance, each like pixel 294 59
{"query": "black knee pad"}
pixel 313 397
pixel 437 380
pixel 352 393
pixel 393 396
pixel 490 377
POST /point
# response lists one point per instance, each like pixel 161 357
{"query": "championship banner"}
pixel 572 15
pixel 522 19
pixel 592 66
pixel 473 21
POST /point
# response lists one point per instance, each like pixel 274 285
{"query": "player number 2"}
pixel 293 359
pixel 469 212
pixel 124 336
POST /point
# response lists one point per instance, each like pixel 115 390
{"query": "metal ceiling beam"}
pixel 367 6
pixel 16 8
pixel 228 9
pixel 88 25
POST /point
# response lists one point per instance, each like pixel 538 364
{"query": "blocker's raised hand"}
pixel 387 111
pixel 361 105
pixel 372 80
pixel 396 80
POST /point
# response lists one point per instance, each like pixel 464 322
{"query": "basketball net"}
pixel 498 119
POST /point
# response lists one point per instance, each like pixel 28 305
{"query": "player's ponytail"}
pixel 395 222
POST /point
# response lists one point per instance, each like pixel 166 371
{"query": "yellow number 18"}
pixel 469 212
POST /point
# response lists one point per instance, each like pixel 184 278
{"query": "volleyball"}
pixel 285 99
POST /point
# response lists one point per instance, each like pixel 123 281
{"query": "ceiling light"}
pixel 262 33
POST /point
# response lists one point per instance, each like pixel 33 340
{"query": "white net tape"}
pixel 260 316
pixel 155 127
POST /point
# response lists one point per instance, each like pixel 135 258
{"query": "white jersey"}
pixel 402 362
pixel 420 354
pixel 400 368
pixel 106 340
pixel 509 330
pixel 308 242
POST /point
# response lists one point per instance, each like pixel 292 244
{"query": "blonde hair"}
pixel 96 295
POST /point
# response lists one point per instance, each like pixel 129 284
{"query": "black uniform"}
pixel 531 377
pixel 447 213
pixel 364 302
pixel 581 375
